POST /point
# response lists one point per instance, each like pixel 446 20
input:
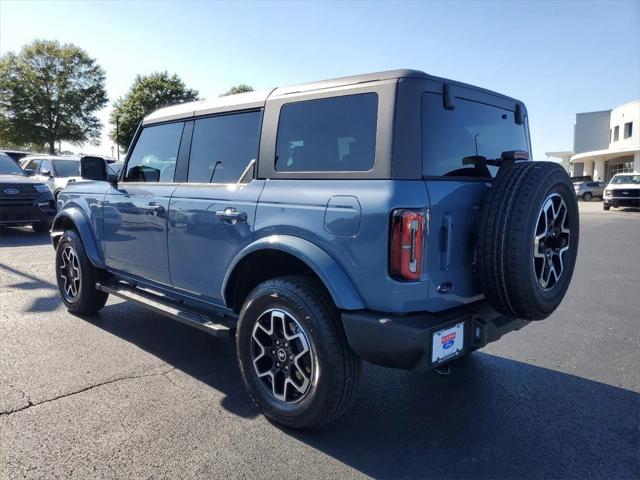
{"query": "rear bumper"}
pixel 404 341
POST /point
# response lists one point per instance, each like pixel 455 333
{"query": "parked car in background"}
pixel 623 191
pixel 326 223
pixel 57 172
pixel 588 190
pixel 15 155
pixel 23 200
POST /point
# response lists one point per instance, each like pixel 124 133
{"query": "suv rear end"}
pixel 393 217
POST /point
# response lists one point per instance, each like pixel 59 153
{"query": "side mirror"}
pixel 93 168
pixel 29 172
pixel 45 173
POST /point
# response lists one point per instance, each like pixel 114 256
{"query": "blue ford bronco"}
pixel 393 217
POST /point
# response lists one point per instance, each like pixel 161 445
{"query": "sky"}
pixel 560 58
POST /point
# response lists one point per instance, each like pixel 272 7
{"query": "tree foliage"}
pixel 148 93
pixel 50 92
pixel 242 88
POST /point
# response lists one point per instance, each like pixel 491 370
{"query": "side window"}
pixel 45 166
pixel 32 165
pixel 336 134
pixel 223 146
pixel 154 155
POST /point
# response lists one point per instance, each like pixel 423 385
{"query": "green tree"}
pixel 48 93
pixel 242 88
pixel 148 93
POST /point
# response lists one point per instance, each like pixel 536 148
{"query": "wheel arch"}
pixel 280 255
pixel 74 218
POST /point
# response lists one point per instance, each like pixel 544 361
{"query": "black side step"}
pixel 167 307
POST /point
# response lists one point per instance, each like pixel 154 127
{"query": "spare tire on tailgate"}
pixel 528 239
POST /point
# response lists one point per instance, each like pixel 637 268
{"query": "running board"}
pixel 167 308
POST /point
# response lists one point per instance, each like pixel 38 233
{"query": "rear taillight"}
pixel 407 243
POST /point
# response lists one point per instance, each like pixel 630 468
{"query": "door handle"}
pixel 231 215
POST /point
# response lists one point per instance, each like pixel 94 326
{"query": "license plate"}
pixel 447 343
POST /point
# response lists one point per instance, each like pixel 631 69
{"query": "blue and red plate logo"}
pixel 447 340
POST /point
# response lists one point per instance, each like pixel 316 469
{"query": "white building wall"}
pixel 620 116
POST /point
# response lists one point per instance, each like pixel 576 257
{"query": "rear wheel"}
pixel 528 239
pixel 77 277
pixel 587 197
pixel 293 353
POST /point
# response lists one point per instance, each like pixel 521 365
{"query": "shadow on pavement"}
pixel 491 418
pixel 22 237
pixel 30 282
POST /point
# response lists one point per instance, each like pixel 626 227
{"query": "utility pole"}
pixel 117 135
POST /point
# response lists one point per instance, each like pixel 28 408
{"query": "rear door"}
pixel 212 211
pixel 136 212
pixel 478 125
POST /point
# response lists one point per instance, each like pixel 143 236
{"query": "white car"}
pixel 623 191
pixel 57 172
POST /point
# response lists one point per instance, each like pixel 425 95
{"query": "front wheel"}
pixel 587 197
pixel 606 207
pixel 293 353
pixel 77 277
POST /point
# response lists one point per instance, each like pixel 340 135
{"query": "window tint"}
pixel 8 166
pixel 67 168
pixel 32 165
pixel 470 129
pixel 223 146
pixel 46 166
pixel 154 156
pixel 328 135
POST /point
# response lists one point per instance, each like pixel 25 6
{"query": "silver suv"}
pixel 588 190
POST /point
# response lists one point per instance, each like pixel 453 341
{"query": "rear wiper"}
pixel 506 158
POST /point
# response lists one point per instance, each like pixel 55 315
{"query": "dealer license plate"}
pixel 447 343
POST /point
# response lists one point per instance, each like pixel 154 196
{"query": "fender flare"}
pixel 83 226
pixel 332 275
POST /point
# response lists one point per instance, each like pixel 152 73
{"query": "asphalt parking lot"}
pixel 130 394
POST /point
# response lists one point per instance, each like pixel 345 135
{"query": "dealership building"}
pixel 604 143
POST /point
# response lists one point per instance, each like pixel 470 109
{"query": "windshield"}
pixel 626 179
pixel 67 168
pixel 8 166
pixel 469 130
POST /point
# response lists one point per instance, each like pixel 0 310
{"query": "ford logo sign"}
pixel 448 344
pixel 11 191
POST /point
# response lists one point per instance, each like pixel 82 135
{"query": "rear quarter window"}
pixel 470 129
pixel 336 134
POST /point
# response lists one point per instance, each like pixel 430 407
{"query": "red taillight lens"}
pixel 407 244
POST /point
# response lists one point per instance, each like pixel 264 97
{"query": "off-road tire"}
pixel 334 386
pixel 89 300
pixel 507 227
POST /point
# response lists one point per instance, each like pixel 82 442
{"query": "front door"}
pixel 211 215
pixel 45 172
pixel 136 212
